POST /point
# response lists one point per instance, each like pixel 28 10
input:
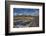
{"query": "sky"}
pixel 25 11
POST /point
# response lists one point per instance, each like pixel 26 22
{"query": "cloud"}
pixel 36 13
pixel 20 14
pixel 25 12
pixel 15 14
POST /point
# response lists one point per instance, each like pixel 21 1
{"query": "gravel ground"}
pixel 27 23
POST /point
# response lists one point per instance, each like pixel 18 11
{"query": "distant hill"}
pixel 23 15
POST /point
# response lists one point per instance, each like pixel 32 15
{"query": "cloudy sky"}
pixel 25 11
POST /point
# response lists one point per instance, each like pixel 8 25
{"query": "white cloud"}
pixel 35 13
pixel 20 14
pixel 15 13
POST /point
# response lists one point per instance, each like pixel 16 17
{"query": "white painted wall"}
pixel 2 17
